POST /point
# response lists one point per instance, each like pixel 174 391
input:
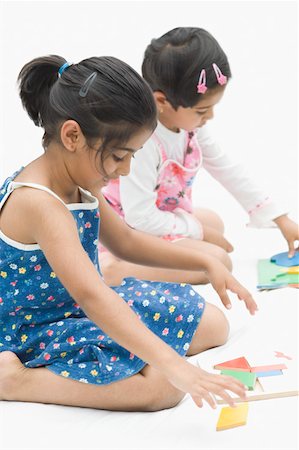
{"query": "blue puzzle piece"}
pixel 268 373
pixel 282 259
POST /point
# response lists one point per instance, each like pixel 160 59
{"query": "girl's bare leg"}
pixel 148 390
pixel 212 331
pixel 209 218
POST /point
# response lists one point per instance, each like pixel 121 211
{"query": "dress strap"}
pixel 163 154
pixel 15 185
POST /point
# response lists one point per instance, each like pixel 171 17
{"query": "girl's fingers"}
pixel 213 384
pixel 227 245
pixel 227 398
pixel 210 399
pixel 244 295
pixel 291 252
pixel 224 298
pixel 226 382
pixel 197 400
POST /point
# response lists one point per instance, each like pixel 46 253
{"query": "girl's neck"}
pixel 51 171
pixel 168 123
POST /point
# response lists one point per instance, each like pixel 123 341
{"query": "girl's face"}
pixel 82 165
pixel 118 161
pixel 192 117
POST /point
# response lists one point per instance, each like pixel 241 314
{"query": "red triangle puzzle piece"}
pixel 239 363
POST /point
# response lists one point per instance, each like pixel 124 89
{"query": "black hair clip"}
pixel 88 82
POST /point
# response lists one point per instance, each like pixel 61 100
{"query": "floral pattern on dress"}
pixel 46 327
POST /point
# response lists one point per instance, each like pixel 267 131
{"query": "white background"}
pixel 256 121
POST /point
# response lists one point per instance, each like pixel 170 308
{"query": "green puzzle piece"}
pixel 247 378
pixel 270 274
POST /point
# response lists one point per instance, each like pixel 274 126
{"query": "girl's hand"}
pixel 202 385
pixel 222 280
pixel 215 237
pixel 290 231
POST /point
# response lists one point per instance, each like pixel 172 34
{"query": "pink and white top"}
pixel 174 183
pixel 156 196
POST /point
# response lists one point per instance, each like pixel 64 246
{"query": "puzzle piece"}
pixel 232 417
pixel 247 378
pixel 282 355
pixel 268 373
pixel 269 387
pixel 272 276
pixel 292 269
pixel 239 363
pixel 267 368
pixel 282 259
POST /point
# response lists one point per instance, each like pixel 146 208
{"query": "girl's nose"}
pixel 124 169
pixel 209 114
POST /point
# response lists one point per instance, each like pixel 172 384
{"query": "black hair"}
pixel 173 62
pixel 105 96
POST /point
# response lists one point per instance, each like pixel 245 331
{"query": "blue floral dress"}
pixel 45 327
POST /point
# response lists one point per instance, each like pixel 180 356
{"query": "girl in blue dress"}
pixel 66 337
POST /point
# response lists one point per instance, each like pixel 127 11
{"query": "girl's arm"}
pixel 234 177
pixel 52 226
pixel 262 210
pixel 142 248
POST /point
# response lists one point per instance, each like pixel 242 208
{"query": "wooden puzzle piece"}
pixel 282 259
pixel 293 269
pixel 282 355
pixel 240 364
pixel 272 276
pixel 232 417
pixel 269 367
pixel 247 378
pixel 271 386
pixel 268 373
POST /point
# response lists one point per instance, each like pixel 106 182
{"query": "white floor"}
pixel 272 424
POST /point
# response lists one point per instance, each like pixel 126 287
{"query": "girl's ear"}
pixel 161 101
pixel 71 135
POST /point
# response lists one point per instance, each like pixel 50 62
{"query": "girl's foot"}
pixel 11 374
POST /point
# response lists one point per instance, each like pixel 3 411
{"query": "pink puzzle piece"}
pixel 282 355
pixel 269 367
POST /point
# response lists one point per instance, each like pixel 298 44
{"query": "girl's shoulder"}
pixel 21 211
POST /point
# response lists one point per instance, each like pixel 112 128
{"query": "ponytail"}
pixel 35 82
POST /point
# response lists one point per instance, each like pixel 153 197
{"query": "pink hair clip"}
pixel 201 86
pixel 222 79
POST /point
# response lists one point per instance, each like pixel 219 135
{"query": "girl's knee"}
pixel 164 397
pixel 160 393
pixel 223 256
pixel 213 331
pixel 210 218
pixel 222 327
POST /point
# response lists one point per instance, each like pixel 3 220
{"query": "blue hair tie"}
pixel 63 68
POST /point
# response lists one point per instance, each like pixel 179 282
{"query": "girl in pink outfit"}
pixel 188 73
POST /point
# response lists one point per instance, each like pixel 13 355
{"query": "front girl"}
pixel 65 336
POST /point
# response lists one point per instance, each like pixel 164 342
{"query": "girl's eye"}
pixel 117 159
pixel 200 113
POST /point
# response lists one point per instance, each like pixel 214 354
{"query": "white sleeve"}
pixel 138 198
pixel 234 177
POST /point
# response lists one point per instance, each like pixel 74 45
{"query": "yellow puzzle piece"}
pixel 292 269
pixel 232 417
